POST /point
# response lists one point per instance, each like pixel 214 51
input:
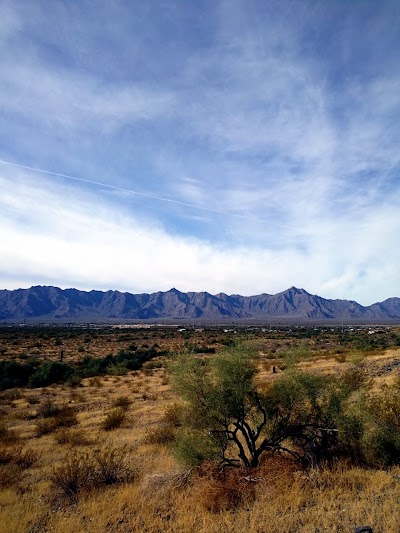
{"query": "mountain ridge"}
pixel 52 303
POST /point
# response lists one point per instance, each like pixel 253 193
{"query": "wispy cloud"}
pixel 58 234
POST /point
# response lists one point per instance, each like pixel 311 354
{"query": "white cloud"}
pixel 77 101
pixel 59 234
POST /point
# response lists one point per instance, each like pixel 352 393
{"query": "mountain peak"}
pixel 295 290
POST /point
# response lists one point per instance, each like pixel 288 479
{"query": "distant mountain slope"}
pixel 52 303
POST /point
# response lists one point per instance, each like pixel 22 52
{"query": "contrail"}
pixel 130 191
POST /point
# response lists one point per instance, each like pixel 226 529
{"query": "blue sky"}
pixel 227 146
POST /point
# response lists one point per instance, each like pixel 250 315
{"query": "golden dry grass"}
pixel 278 498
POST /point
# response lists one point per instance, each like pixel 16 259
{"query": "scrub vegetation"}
pixel 251 429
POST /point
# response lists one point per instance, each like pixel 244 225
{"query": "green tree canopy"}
pixel 231 417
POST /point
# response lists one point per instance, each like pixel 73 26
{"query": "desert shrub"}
pixel 6 454
pixel 33 400
pixel 77 396
pixel 82 472
pixel 356 356
pixel 33 373
pixel 10 475
pixel 95 382
pixel 198 348
pixel 114 419
pixel 18 455
pixel 47 409
pixel 13 374
pixel 112 466
pixel 355 379
pixel 7 435
pixel 77 474
pixel 122 401
pixel 380 412
pixel 25 458
pixel 75 380
pixel 296 354
pixel 166 432
pixel 66 417
pixel 118 369
pixel 174 415
pixel 163 434
pixel 44 426
pixel 13 461
pixel 54 416
pixel 74 437
pixel 11 395
pixel 370 342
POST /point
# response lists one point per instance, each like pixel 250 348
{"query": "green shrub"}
pixel 381 415
pixel 49 373
pixel 174 415
pixel 119 369
pixel 228 416
pixel 191 449
pixel 13 374
pixel 296 354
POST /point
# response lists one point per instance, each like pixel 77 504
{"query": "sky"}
pixel 221 146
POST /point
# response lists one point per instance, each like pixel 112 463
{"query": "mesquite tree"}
pixel 229 416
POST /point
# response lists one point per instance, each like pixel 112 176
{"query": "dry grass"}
pixel 149 492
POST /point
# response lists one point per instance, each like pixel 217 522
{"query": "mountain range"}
pixel 47 304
